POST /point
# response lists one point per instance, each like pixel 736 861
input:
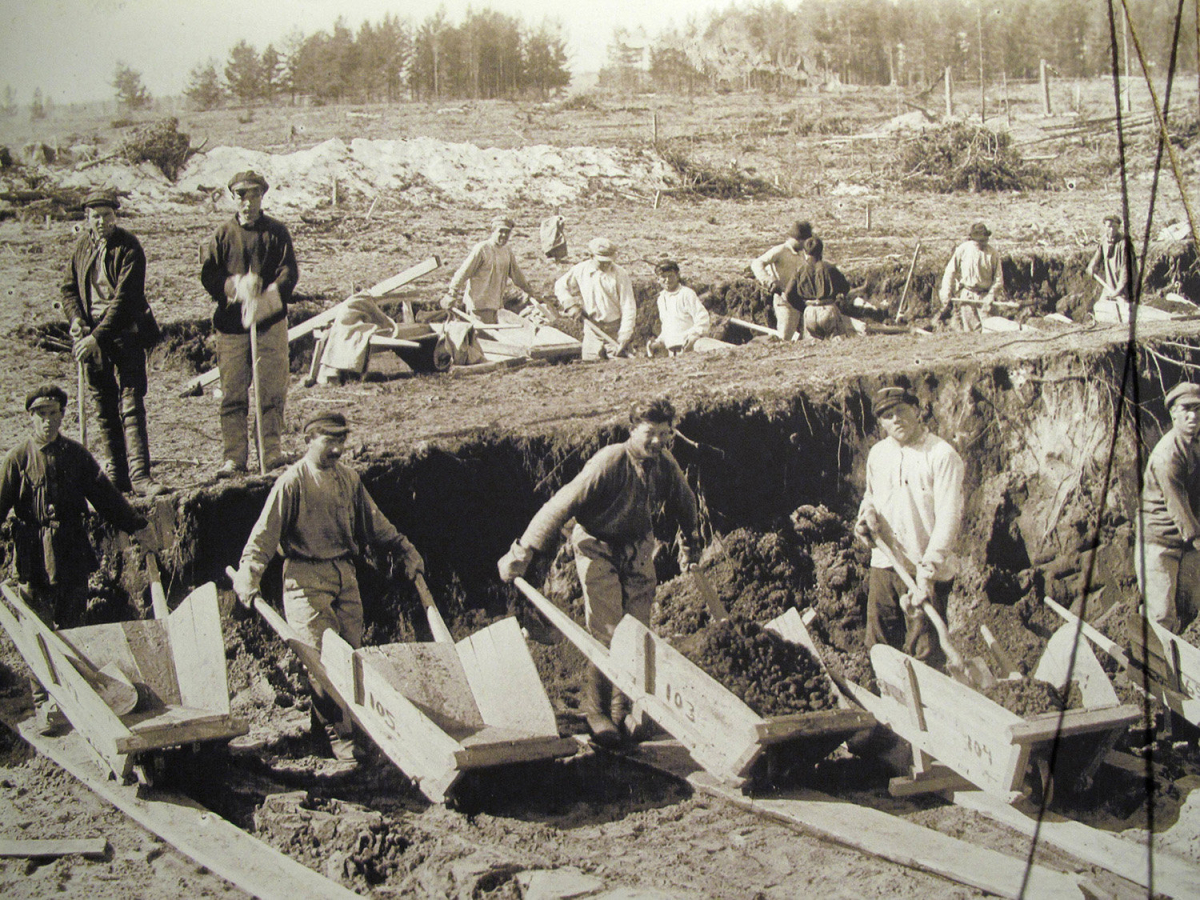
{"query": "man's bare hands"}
pixel 86 348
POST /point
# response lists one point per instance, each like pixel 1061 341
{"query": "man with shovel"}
pixel 776 268
pixel 911 514
pixel 612 501
pixel 249 268
pixel 321 518
pixel 47 482
pixel 974 279
pixel 1114 264
pixel 600 293
pixel 484 275
pixel 104 298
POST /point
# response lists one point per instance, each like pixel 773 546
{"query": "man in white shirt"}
pixel 484 274
pixel 600 292
pixel 914 504
pixel 682 316
pixel 776 268
pixel 973 278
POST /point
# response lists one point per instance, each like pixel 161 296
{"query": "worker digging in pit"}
pixel 104 298
pixel 776 268
pixel 1168 532
pixel 682 316
pixel 613 500
pixel 320 517
pixel 914 505
pixel 600 293
pixel 47 482
pixel 485 273
pixel 819 288
pixel 974 279
pixel 249 269
pixel 1114 264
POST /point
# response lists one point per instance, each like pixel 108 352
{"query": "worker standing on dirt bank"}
pixel 600 292
pixel 47 482
pixel 249 269
pixel 612 500
pixel 819 288
pixel 776 268
pixel 1114 264
pixel 485 273
pixel 1168 545
pixel 974 278
pixel 112 327
pixel 320 517
pixel 914 505
pixel 681 315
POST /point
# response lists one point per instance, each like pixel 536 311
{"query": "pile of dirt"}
pixel 1031 697
pixel 772 676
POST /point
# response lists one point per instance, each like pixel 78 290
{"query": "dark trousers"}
pixel 886 623
pixel 59 606
pixel 118 385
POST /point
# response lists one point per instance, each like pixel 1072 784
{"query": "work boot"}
pixel 48 718
pixel 596 699
pixel 341 743
pixel 137 445
pixel 230 469
pixel 619 709
pixel 116 466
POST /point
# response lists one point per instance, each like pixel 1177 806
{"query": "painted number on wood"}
pixel 981 750
pixel 676 699
pixel 382 711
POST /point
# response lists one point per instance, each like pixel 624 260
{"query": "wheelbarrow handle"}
pixel 437 624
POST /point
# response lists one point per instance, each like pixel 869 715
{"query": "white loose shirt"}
pixel 682 315
pixel 605 296
pixel 917 490
pixel 978 270
pixel 486 272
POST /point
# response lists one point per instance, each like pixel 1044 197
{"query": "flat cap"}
pixel 1185 392
pixel 1113 217
pixel 248 179
pixel 45 393
pixel 332 424
pixel 979 231
pixel 503 222
pixel 666 265
pixel 101 197
pixel 890 397
pixel 603 248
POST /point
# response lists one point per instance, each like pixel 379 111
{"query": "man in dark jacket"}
pixel 47 482
pixel 104 298
pixel 818 288
pixel 249 269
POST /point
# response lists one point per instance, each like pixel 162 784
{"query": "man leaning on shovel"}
pixel 249 268
pixel 612 501
pixel 911 514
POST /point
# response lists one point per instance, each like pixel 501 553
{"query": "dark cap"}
pixel 979 232
pixel 102 198
pixel 814 247
pixel 666 265
pixel 39 395
pixel 1186 392
pixel 801 231
pixel 891 397
pixel 1113 217
pixel 332 424
pixel 243 180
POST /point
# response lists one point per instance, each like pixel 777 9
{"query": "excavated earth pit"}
pixel 775 443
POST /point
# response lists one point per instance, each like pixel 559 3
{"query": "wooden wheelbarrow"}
pixel 722 734
pixel 439 709
pixel 133 689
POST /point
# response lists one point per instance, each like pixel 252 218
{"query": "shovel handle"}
pixel 441 634
pixel 953 657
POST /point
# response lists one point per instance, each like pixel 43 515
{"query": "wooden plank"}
pixel 504 680
pixel 1172 875
pixel 1091 633
pixel 933 781
pixel 182 726
pixel 1067 652
pixel 1188 656
pixel 412 273
pixel 198 649
pixel 94 848
pixel 501 746
pixel 1073 722
pixel 201 835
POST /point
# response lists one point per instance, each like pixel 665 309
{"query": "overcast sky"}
pixel 69 48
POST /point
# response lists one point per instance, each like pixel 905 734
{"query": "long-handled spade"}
pixel 437 625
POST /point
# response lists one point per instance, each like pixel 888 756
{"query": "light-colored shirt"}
pixel 917 491
pixel 485 273
pixel 1171 494
pixel 605 296
pixel 778 266
pixel 100 295
pixel 978 271
pixel 682 316
pixel 316 514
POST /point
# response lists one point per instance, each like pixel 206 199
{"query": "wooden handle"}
pixel 158 597
pixel 953 657
pixel 441 634
pixel 716 609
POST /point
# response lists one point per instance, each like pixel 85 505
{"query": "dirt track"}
pixel 494 437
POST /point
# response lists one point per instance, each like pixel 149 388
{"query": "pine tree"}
pixel 131 93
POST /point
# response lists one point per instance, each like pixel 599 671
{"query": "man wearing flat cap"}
pixel 47 482
pixel 320 517
pixel 1168 545
pixel 914 506
pixel 1114 264
pixel 104 298
pixel 249 269
pixel 600 292
pixel 974 278
pixel 485 274
pixel 776 268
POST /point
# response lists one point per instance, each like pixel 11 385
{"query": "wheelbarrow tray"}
pixel 979 739
pixel 517 336
pixel 177 664
pixel 1174 669
pixel 438 710
pixel 722 734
